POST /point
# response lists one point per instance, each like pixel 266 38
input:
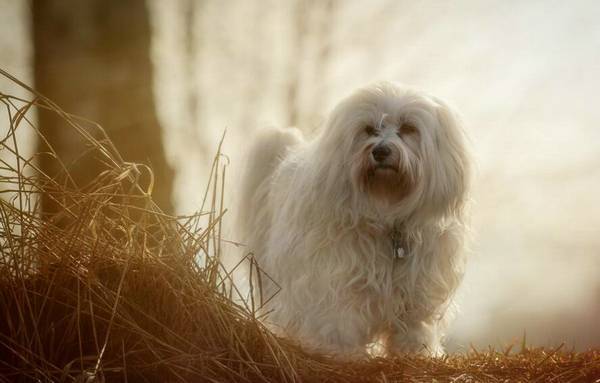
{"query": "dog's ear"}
pixel 450 173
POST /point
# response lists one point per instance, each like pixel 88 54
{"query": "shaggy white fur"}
pixel 361 227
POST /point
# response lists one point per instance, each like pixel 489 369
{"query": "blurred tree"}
pixel 93 59
pixel 328 9
pixel 310 53
pixel 298 47
pixel 194 43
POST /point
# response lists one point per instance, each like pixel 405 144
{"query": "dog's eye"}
pixel 407 129
pixel 371 131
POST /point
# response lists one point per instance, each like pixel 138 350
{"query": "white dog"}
pixel 361 228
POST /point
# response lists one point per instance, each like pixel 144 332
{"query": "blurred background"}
pixel 167 78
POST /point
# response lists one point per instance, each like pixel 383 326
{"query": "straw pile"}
pixel 110 289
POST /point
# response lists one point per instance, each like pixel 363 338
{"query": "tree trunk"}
pixel 92 58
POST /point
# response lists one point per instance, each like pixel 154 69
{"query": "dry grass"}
pixel 111 289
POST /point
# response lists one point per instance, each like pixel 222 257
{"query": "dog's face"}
pixel 386 157
pixel 401 146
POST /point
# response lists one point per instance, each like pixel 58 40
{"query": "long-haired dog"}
pixel 361 228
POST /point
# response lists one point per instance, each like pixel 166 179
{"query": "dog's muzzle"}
pixel 383 157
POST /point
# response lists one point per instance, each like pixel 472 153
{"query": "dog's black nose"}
pixel 380 152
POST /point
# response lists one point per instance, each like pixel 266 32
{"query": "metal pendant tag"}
pixel 400 252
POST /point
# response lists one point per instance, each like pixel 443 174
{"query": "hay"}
pixel 111 289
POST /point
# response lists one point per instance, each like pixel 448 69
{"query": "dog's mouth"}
pixel 385 168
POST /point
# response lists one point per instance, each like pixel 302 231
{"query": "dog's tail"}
pixel 264 156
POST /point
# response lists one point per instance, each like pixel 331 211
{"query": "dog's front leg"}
pixel 415 337
pixel 338 332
